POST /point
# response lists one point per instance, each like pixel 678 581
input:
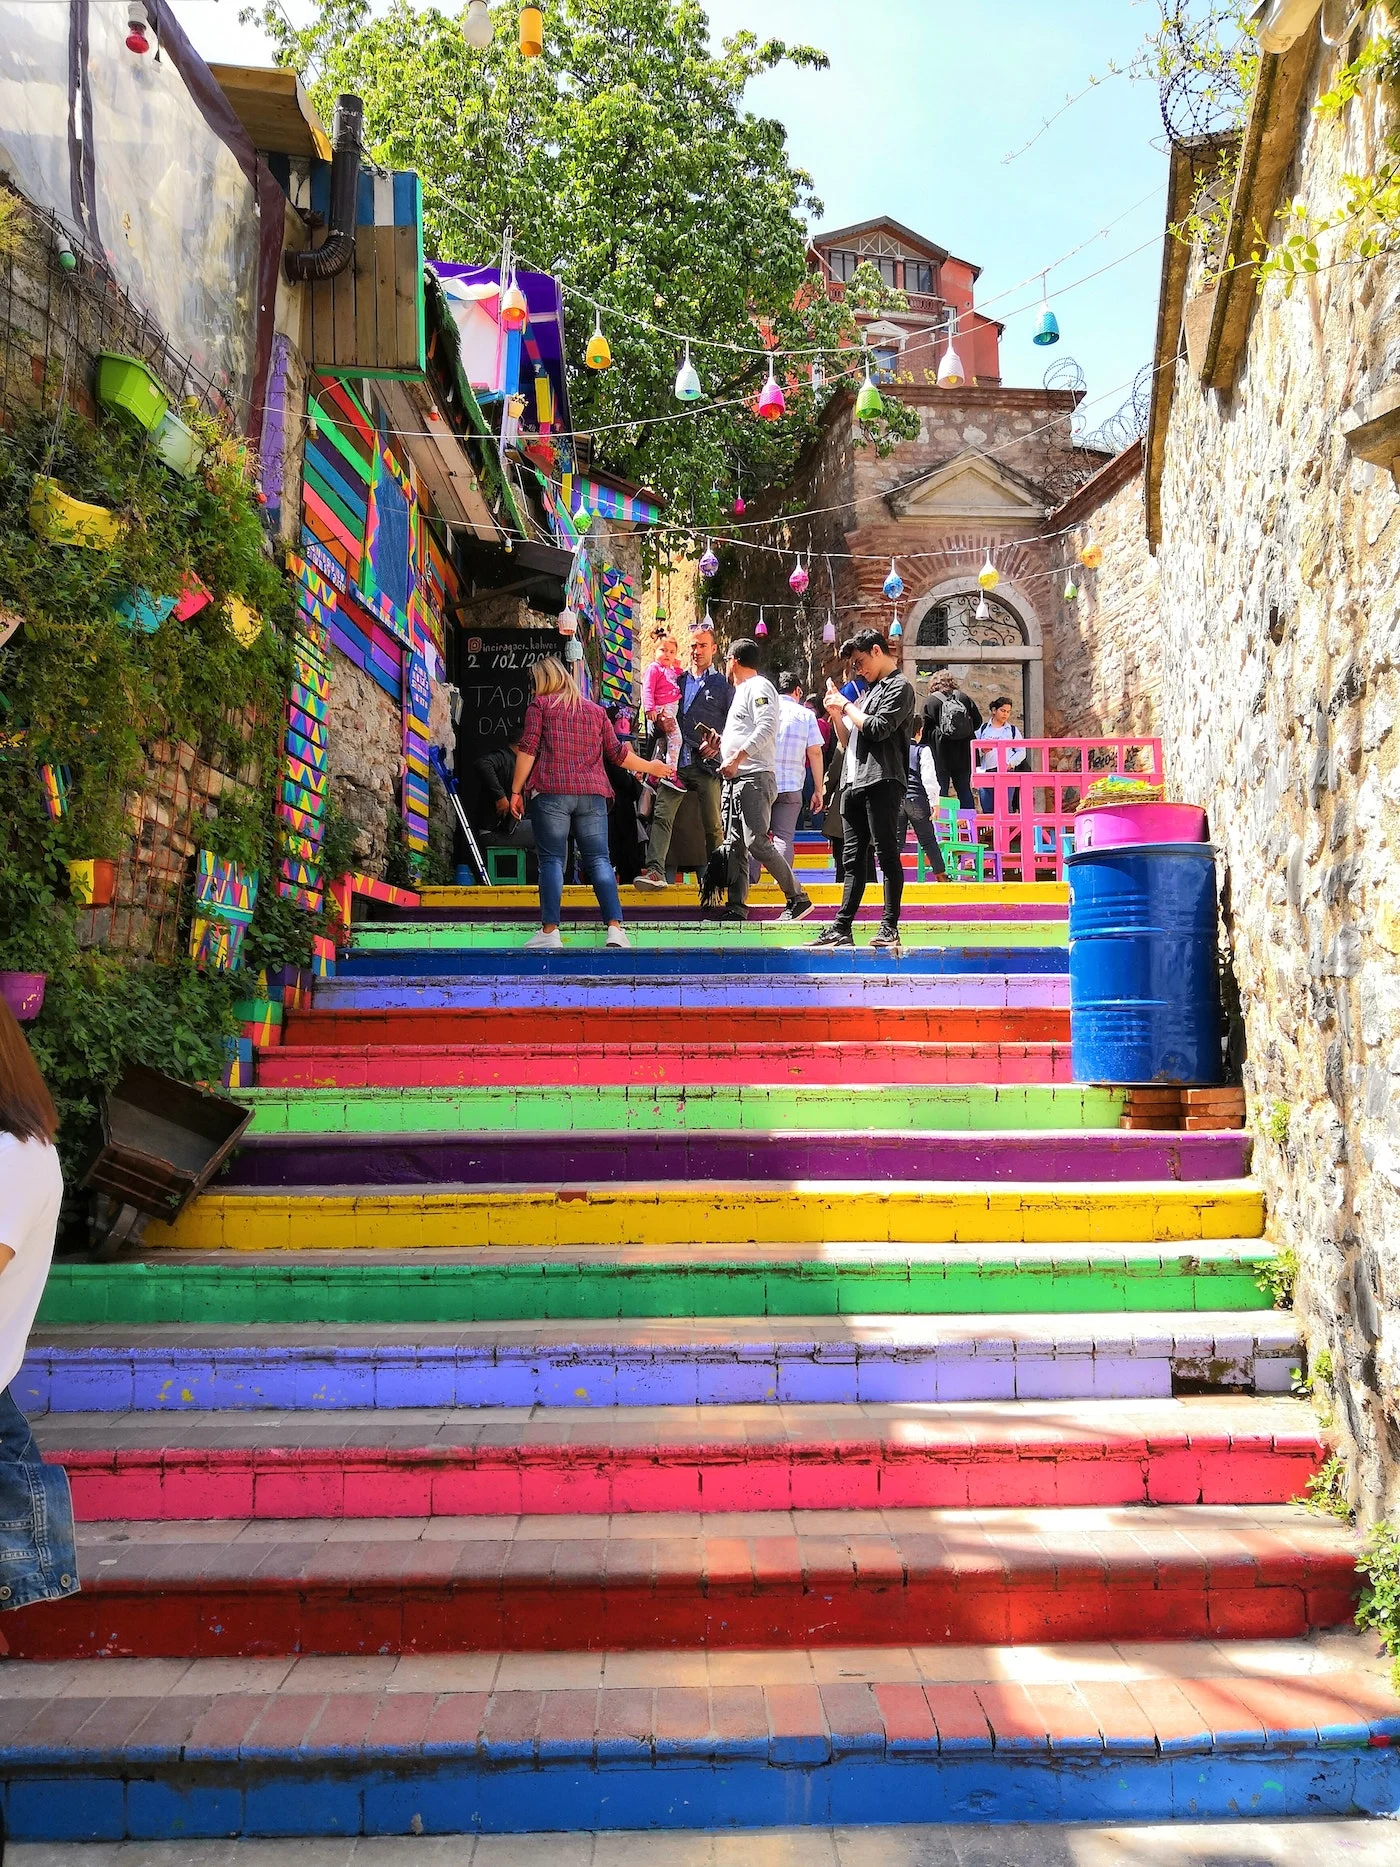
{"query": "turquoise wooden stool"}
pixel 505 867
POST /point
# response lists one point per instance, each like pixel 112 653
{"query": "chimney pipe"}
pixel 336 251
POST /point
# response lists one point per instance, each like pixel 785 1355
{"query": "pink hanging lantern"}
pixel 799 579
pixel 739 507
pixel 829 629
pixel 760 627
pixel 772 403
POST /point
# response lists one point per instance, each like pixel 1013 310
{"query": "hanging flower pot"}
pixel 59 519
pixel 177 444
pixel 143 613
pixel 192 598
pixel 131 391
pixel 244 623
pixel 23 992
pixel 93 884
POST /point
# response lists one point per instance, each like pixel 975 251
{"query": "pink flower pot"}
pixel 23 992
pixel 1112 826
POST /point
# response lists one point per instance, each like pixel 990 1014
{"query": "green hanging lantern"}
pixel 868 403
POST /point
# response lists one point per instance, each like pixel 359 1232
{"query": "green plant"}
pixel 1379 1562
pixel 1326 1491
pixel 1279 1117
pixel 1279 1275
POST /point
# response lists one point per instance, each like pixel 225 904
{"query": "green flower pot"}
pixel 177 445
pixel 128 388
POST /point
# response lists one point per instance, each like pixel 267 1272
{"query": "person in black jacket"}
pixel 951 720
pixel 874 733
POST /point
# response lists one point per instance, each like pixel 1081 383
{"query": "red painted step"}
pixel 458 1066
pixel 1026 1456
pixel 747 1024
pixel 623 1583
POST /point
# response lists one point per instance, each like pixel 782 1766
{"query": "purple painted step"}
pixel 516 1159
pixel 990 991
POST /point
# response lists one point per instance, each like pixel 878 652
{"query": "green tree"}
pixel 626 164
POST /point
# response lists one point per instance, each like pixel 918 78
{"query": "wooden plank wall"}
pixel 367 318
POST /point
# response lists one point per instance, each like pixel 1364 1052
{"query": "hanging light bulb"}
pixel 772 403
pixel 138 28
pixel 531 32
pixel 799 579
pixel 950 369
pixel 869 402
pixel 1071 590
pixel 894 584
pixel 760 628
pixel 984 609
pixel 709 563
pixel 1047 325
pixel 989 576
pixel 1091 556
pixel 818 377
pixel 515 311
pixel 689 388
pixel 477 27
pixel 598 355
pixel 896 628
pixel 829 628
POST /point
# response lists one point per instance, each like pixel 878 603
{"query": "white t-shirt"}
pixel 31 1190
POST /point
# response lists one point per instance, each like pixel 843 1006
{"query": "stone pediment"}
pixel 973 488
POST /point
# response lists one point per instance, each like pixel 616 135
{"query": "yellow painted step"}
pixel 716 1212
pixel 526 901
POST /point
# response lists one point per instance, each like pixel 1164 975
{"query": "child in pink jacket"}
pixel 661 698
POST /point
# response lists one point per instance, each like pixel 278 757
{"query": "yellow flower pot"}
pixel 62 520
pixel 244 623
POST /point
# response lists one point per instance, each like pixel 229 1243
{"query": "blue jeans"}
pixel 588 816
pixel 38 1559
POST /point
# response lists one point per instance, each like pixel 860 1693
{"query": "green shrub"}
pixel 1279 1275
pixel 1379 1562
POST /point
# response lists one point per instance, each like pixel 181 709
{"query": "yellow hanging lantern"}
pixel 531 32
pixel 598 355
pixel 1091 557
pixel 989 576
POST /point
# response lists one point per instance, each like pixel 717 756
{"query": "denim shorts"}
pixel 38 1557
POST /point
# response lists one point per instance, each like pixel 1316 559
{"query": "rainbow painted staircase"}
pixel 716 1385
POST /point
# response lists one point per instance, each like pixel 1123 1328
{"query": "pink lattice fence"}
pixel 1033 838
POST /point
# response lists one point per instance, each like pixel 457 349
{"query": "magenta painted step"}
pixel 410 1066
pixel 402 1160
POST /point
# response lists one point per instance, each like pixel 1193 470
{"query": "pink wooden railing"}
pixel 1033 840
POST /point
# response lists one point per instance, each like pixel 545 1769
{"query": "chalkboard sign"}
pixel 494 676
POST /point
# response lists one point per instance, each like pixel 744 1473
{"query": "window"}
pixel 923 277
pixel 842 263
pixel 888 270
pixel 885 358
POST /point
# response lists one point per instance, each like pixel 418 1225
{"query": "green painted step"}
pixel 517 1286
pixel 456 937
pixel 978 1108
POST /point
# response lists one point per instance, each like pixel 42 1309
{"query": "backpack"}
pixel 954 718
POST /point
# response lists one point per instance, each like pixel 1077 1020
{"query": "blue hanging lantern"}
pixel 1047 325
pixel 893 585
pixel 896 628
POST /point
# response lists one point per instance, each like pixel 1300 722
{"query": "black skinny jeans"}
pixel 952 760
pixel 870 820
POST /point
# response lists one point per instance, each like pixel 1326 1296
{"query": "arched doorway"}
pixel 997 653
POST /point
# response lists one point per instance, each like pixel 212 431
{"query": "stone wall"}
pixel 1105 673
pixel 1275 685
pixel 366 759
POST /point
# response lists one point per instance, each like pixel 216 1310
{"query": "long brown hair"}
pixel 26 1107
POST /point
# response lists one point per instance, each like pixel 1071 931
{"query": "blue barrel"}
pixel 1143 968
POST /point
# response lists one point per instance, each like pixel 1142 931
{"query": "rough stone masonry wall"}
pixel 366 759
pixel 1104 675
pixel 1280 688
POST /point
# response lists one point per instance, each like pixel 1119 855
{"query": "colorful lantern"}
pixel 531 32
pixel 709 563
pixel 950 370
pixel 772 403
pixel 869 403
pixel 989 576
pixel 799 579
pixel 818 377
pixel 739 507
pixel 1091 556
pixel 476 27
pixel 598 355
pixel 829 628
pixel 1071 591
pixel 138 28
pixel 896 628
pixel 1047 327
pixel 894 584
pixel 688 385
pixel 514 310
pixel 983 610
pixel 760 628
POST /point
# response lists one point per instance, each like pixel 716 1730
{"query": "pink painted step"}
pixel 455 1066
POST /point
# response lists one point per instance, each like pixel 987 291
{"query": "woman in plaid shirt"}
pixel 560 774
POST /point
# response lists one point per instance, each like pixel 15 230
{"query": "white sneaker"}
pixel 545 941
pixel 617 936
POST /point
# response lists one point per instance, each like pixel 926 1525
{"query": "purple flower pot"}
pixel 23 992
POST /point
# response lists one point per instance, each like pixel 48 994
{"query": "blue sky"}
pixel 923 101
